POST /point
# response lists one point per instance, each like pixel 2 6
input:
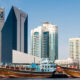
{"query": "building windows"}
pixel 47 47
pixel 74 48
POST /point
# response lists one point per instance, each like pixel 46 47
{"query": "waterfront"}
pixel 31 51
pixel 41 79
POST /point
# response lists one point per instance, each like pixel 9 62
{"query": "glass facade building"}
pixel 36 43
pixel 45 44
pixel 14 34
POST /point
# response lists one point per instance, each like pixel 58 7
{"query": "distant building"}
pixel 44 41
pixel 67 62
pixel 14 34
pixel 1 26
pixel 74 44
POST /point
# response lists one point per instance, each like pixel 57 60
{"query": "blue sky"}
pixel 64 13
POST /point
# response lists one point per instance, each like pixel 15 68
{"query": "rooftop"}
pixel 46 23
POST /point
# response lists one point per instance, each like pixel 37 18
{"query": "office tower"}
pixel 1 26
pixel 74 45
pixel 36 42
pixel 44 41
pixel 14 34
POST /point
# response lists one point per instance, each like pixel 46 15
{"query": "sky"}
pixel 63 13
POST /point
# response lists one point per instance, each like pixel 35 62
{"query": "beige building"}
pixel 68 61
pixel 23 58
pixel 74 48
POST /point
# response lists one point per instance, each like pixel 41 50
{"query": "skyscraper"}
pixel 36 42
pixel 74 45
pixel 14 34
pixel 44 41
pixel 1 26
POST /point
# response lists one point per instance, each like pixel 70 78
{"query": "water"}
pixel 41 79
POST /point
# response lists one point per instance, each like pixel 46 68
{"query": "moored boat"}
pixel 22 74
pixel 45 70
pixel 73 72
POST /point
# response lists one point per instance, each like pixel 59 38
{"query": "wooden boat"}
pixel 30 72
pixel 71 72
pixel 24 74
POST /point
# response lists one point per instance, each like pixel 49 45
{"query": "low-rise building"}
pixel 23 58
pixel 67 62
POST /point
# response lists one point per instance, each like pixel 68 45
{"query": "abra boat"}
pixel 71 72
pixel 18 74
pixel 47 69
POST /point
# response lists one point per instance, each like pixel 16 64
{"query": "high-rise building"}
pixel 44 41
pixel 74 45
pixel 1 26
pixel 36 42
pixel 14 34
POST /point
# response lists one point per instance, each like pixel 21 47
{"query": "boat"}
pixel 22 74
pixel 72 72
pixel 46 71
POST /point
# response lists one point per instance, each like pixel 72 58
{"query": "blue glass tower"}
pixel 14 34
pixel 45 45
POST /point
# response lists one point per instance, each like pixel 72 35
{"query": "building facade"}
pixel 67 62
pixel 1 26
pixel 23 58
pixel 14 34
pixel 44 41
pixel 74 44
